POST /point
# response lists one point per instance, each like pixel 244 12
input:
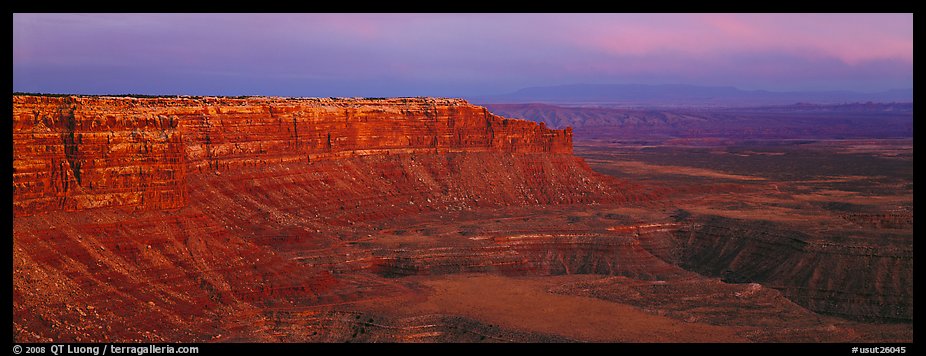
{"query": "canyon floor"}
pixel 844 200
pixel 732 241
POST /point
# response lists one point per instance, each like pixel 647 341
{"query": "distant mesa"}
pixel 796 121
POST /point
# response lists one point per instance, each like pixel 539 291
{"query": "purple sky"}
pixel 454 54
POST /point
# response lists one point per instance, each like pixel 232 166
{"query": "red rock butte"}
pixel 72 153
pixel 162 214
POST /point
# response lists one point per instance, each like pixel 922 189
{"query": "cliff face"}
pixel 73 153
pixel 187 219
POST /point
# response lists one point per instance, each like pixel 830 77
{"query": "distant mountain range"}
pixel 683 95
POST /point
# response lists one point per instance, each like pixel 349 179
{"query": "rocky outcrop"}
pixel 73 153
pixel 857 280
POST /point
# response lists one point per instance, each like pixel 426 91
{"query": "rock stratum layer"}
pixel 73 153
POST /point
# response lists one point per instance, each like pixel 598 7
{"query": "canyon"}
pixel 216 219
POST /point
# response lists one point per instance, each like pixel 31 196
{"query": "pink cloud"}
pixel 849 37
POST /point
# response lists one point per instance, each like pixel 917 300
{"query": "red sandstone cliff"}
pixel 198 201
pixel 72 153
